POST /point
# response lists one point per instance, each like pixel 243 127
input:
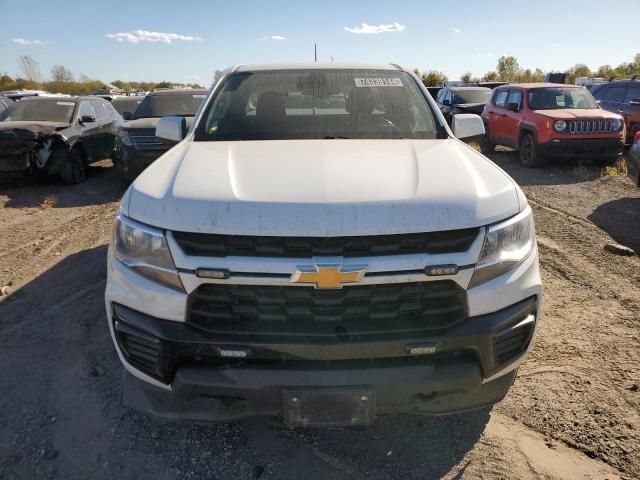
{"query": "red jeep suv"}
pixel 551 120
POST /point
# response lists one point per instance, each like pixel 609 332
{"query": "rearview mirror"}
pixel 465 125
pixel 127 115
pixel 514 107
pixel 171 129
pixel 87 119
pixel 446 102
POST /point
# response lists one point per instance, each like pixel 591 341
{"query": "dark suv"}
pixel 623 97
pixel 57 135
pixel 454 100
pixel 137 146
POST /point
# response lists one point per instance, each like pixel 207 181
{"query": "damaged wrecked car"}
pixel 57 136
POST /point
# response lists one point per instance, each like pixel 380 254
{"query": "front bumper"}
pixel 131 161
pixel 207 387
pixel 582 147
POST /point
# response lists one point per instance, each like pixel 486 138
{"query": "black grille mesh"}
pixel 305 311
pixel 511 343
pixel 201 244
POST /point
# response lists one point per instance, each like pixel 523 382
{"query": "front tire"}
pixel 486 145
pixel 529 155
pixel 74 169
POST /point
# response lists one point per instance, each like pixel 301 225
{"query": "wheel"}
pixel 75 167
pixel 529 156
pixel 486 145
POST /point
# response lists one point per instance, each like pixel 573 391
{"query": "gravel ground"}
pixel 573 411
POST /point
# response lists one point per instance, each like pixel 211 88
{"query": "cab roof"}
pixel 537 85
pixel 315 66
pixel 178 91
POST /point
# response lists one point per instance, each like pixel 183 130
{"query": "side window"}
pixel 500 98
pixel 615 94
pixel 632 94
pixel 86 109
pixel 439 96
pixel 101 111
pixel 515 96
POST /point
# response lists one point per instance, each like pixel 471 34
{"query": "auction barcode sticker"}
pixel 378 82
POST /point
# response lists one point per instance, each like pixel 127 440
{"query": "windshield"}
pixel 317 104
pixel 471 96
pixel 179 104
pixel 39 111
pixel 126 104
pixel 555 98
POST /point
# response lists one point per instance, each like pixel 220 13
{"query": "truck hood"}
pixel 321 188
pixel 570 114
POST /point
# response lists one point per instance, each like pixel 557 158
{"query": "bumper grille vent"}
pixel 141 349
pixel 512 342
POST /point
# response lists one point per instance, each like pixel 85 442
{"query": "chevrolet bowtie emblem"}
pixel 329 275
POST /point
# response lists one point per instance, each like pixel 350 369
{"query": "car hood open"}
pixel 322 188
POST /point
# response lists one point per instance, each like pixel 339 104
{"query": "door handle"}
pixel 619 111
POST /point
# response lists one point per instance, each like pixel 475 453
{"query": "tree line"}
pixel 62 80
pixel 509 70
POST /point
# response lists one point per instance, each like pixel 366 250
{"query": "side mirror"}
pixel 446 102
pixel 634 101
pixel 127 115
pixel 514 107
pixel 171 129
pixel 465 125
pixel 87 119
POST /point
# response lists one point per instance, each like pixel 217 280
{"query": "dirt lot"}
pixel 574 411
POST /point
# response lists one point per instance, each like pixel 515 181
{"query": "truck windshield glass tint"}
pixel 164 105
pixel 39 111
pixel 317 104
pixel 552 98
pixel 471 96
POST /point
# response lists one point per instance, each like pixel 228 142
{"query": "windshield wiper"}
pixel 331 137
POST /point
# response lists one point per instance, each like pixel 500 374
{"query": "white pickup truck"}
pixel 322 247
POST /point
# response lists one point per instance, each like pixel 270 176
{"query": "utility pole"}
pixel 315 52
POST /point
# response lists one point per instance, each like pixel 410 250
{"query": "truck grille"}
pixel 201 244
pixel 147 143
pixel 590 126
pixel 307 312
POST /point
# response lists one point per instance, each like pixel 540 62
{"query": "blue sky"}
pixel 194 38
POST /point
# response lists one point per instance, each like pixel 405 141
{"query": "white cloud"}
pixel 137 36
pixel 275 37
pixel 456 30
pixel 24 41
pixel 365 28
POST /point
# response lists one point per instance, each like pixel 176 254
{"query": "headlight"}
pixel 560 126
pixel 506 244
pixel 124 137
pixel 144 249
pixel 616 124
